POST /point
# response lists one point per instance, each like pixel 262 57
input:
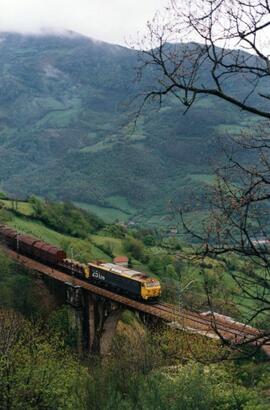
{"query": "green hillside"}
pixel 68 132
pixel 86 237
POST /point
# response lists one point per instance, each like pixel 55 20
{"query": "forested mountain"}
pixel 67 127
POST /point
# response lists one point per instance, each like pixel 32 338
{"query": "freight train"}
pixel 114 277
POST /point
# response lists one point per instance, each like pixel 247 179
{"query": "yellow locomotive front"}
pixel 150 289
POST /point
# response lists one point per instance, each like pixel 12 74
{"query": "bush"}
pixel 66 218
pixel 17 288
pixel 36 371
pixel 4 215
pixel 170 272
pixel 3 196
pixel 149 240
pixel 156 265
pixel 135 248
pixel 162 265
pixel 106 247
pixel 116 231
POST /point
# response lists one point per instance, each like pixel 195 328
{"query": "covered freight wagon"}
pixel 40 250
pixel 25 244
pixel 31 246
pixel 49 253
pixel 9 235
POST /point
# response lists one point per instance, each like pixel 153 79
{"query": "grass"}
pixel 121 210
pixel 83 250
pixel 166 221
pixel 49 103
pixel 60 119
pixel 203 178
pixel 126 213
pixel 24 208
pixel 121 203
pixel 115 244
pixel 106 213
pixel 229 129
pixel 99 146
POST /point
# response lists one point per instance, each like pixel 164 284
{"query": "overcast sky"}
pixel 114 21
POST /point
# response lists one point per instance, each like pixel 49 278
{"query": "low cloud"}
pixel 114 21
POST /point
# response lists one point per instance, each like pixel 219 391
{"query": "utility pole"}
pixel 181 291
pixel 18 245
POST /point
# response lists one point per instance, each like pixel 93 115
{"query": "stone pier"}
pixel 90 316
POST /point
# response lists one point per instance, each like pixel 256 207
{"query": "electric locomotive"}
pixel 124 280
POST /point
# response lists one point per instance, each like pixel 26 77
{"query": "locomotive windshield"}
pixel 152 284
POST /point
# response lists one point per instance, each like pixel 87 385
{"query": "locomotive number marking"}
pixel 98 275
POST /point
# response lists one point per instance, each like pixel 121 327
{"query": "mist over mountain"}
pixel 67 128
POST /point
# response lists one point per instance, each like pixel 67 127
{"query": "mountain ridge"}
pixel 66 113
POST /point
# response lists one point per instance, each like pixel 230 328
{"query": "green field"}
pixel 116 245
pixel 80 249
pixel 22 207
pixel 106 213
pixel 205 178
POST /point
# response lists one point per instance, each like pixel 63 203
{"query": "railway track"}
pixel 234 330
pixel 194 322
pixel 201 318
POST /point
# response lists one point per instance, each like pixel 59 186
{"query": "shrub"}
pixel 135 248
pixel 66 218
